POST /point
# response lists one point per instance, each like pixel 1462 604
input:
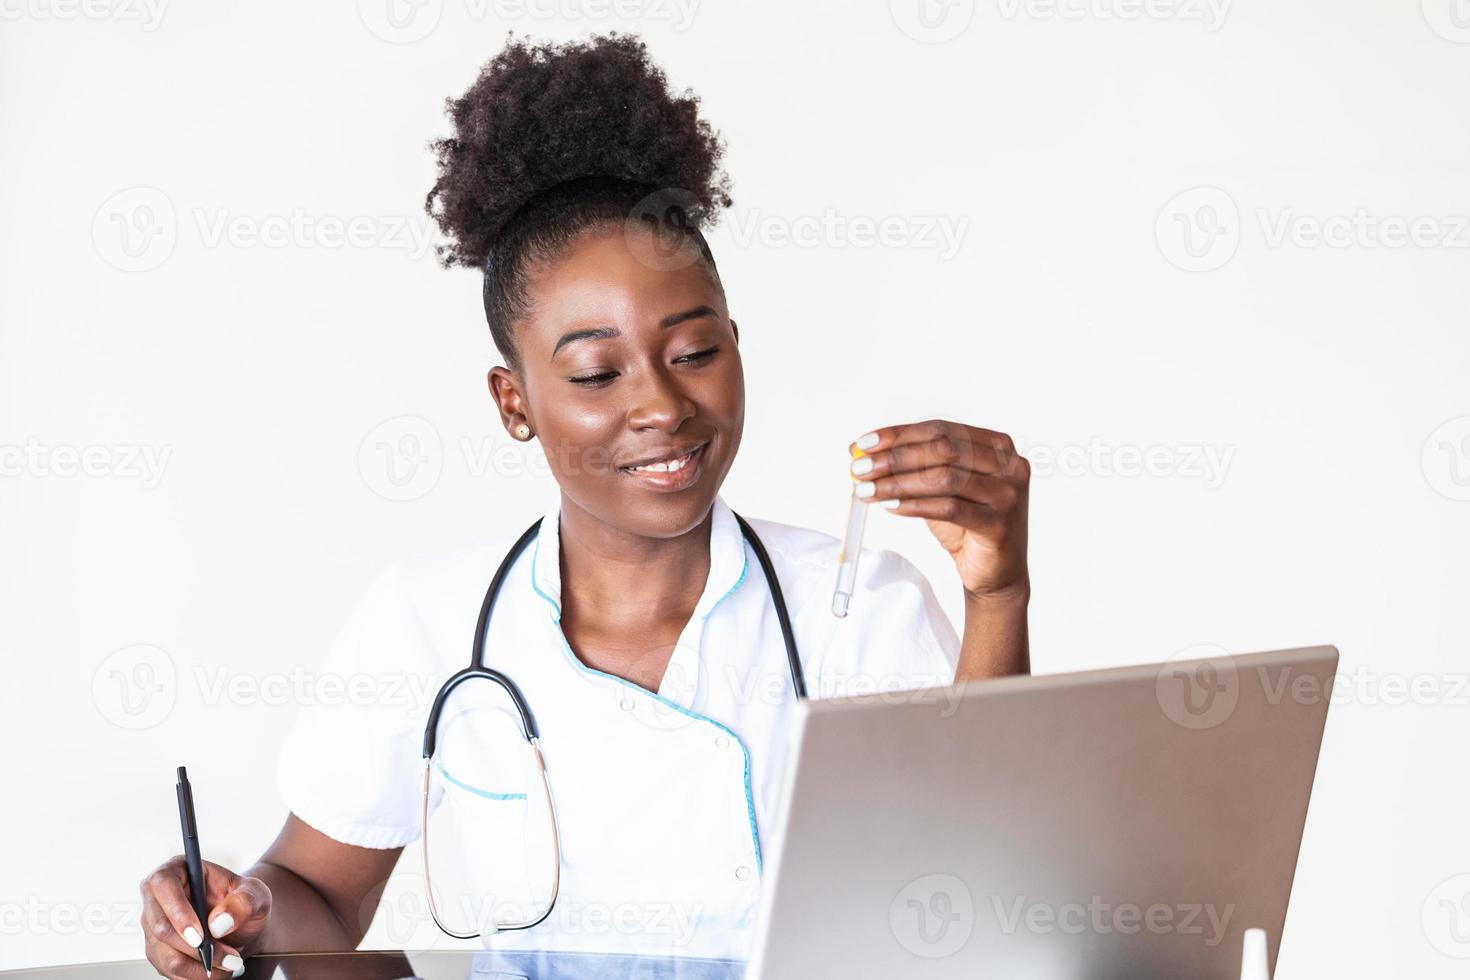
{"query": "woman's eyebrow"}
pixel 603 333
pixel 591 333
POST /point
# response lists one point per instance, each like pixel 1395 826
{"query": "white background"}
pixel 1086 307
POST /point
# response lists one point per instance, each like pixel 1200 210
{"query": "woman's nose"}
pixel 659 402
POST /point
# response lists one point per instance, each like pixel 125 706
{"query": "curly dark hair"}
pixel 553 139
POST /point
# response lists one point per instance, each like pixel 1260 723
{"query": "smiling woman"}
pixel 578 184
pixel 662 640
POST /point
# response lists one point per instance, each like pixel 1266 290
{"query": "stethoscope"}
pixel 529 731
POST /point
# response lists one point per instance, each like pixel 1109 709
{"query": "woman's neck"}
pixel 616 582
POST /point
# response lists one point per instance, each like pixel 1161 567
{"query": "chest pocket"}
pixel 490 858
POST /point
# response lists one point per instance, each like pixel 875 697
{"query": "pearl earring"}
pixel 523 431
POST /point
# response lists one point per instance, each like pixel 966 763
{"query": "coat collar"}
pixel 728 561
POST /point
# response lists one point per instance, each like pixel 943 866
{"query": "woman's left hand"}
pixel 970 486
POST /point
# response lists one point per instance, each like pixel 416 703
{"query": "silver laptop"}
pixel 1128 823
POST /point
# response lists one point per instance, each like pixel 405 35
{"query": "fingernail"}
pixel 892 504
pixel 233 963
pixel 223 925
pixel 191 936
pixel 865 489
pixel 867 441
pixel 861 465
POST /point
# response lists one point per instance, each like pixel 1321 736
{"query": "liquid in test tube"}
pixel 852 546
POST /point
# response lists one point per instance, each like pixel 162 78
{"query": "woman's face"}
pixel 624 362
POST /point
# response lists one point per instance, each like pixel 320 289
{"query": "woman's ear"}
pixel 507 395
pixel 736 329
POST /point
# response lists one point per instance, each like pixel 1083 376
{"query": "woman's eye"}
pixel 700 355
pixel 593 379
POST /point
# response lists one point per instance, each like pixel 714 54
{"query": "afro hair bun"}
pixel 540 115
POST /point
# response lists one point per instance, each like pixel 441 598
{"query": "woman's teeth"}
pixel 672 466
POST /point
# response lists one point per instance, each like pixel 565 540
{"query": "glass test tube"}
pixel 852 546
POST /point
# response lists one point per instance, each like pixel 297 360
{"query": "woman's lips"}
pixel 678 479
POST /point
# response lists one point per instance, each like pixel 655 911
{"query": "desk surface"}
pixel 439 965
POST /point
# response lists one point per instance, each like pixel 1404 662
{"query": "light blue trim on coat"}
pixel 475 789
pixel 738 582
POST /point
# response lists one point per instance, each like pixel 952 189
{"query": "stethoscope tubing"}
pixel 478 670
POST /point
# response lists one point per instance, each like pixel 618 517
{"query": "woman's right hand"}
pixel 238 911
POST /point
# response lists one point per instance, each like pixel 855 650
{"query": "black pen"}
pixel 197 895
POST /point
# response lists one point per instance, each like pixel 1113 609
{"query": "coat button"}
pixel 626 704
pixel 742 873
pixel 721 741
